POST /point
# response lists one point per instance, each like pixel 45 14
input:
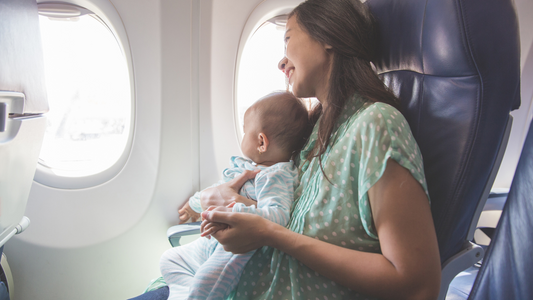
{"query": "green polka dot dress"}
pixel 366 136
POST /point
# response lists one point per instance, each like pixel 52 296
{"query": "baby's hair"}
pixel 285 121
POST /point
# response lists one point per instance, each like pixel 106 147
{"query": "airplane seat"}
pixel 22 125
pixel 507 268
pixel 455 65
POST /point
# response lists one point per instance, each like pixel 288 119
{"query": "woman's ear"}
pixel 263 142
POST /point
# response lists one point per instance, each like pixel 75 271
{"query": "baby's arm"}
pixel 207 228
pixel 194 201
pixel 275 191
pixel 193 208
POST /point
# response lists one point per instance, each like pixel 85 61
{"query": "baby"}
pixel 276 128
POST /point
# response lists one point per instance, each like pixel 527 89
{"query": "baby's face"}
pixel 250 141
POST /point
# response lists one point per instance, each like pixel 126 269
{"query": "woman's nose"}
pixel 282 63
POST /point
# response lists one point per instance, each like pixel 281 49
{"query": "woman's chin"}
pixel 301 91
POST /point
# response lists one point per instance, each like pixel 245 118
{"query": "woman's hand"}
pixel 244 232
pixel 224 194
pixel 207 228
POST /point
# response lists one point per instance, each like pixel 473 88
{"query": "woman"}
pixel 361 225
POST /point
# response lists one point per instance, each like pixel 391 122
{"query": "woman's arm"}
pixel 226 193
pixel 409 267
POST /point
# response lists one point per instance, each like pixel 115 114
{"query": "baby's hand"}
pixel 208 228
pixel 211 227
pixel 186 213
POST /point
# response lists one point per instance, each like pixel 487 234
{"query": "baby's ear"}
pixel 263 142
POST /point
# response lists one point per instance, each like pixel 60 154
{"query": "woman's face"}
pixel 307 63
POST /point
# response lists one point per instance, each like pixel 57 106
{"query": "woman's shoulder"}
pixel 379 109
pixel 378 114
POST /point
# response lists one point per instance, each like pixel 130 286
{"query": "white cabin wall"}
pixel 120 266
pixel 178 171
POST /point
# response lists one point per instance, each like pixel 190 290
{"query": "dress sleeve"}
pixel 275 192
pixel 383 134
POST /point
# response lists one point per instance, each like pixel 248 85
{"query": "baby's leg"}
pixel 180 264
pixel 219 275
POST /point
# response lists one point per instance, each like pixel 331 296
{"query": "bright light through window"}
pixel 89 96
pixel 258 70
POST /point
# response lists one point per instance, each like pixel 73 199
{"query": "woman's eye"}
pixel 287 39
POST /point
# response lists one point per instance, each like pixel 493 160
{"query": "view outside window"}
pixel 258 73
pixel 89 96
pixel 258 70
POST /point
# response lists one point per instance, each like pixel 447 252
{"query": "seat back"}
pixel 455 65
pixel 507 268
pixel 21 64
pixel 22 101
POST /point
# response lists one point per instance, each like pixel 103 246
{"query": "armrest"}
pixel 470 255
pixel 175 233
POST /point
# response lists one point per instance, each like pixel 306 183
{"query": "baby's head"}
pixel 275 128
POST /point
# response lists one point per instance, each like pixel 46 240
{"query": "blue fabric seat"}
pixel 507 269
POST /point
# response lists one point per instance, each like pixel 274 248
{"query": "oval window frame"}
pixel 112 20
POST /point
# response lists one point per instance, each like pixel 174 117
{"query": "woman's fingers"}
pixel 236 236
pixel 237 182
pixel 203 224
pixel 218 217
pixel 210 229
pixel 224 194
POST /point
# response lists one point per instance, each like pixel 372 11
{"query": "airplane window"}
pixel 258 73
pixel 89 94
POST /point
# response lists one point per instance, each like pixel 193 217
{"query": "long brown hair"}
pixel 350 29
